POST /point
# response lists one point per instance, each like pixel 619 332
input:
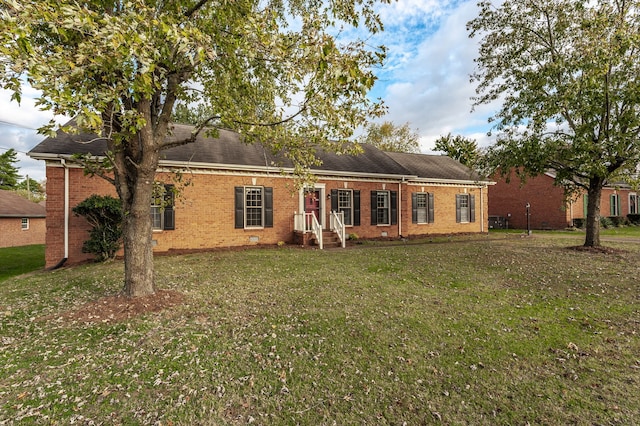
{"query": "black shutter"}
pixel 430 209
pixel 414 208
pixel 458 208
pixel 374 207
pixel 472 208
pixel 356 208
pixel 334 200
pixel 268 207
pixel 169 212
pixel 239 208
pixel 394 207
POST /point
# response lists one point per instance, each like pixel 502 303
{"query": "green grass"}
pixel 20 260
pixel 493 331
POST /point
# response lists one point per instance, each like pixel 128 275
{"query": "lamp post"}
pixel 528 219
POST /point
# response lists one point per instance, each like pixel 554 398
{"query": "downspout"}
pixel 66 216
pixel 400 207
pixel 481 212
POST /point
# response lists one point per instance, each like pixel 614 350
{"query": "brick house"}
pixel 549 208
pixel 240 194
pixel 22 222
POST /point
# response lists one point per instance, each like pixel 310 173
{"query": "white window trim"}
pixel 262 219
pixel 351 202
pixel 388 208
pixel 426 208
pixel 23 221
pixel 633 195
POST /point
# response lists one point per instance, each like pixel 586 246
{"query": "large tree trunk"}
pixel 594 194
pixel 135 167
pixel 138 249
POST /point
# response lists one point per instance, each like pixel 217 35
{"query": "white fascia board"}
pixel 422 181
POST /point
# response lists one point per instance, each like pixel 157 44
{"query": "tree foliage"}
pixel 31 189
pixel 459 148
pixel 390 137
pixel 9 175
pixel 272 70
pixel 568 77
pixel 104 214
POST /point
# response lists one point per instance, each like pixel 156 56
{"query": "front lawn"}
pixel 20 260
pixel 504 331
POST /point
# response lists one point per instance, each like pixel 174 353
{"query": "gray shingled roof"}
pixel 13 205
pixel 228 149
pixel 434 167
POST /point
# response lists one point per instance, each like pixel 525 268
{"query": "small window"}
pixel 253 211
pixel 345 205
pixel 614 204
pixel 253 207
pixel 633 204
pixel 384 207
pixel 162 208
pixel 421 207
pixel 465 208
pixel 25 223
pixel 347 201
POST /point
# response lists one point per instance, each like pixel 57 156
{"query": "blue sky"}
pixel 425 80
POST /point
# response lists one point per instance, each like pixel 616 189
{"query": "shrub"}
pixel 619 221
pixel 606 222
pixel 104 214
pixel 579 223
pixel 634 219
pixel 353 236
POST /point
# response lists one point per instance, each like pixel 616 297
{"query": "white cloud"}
pixel 428 83
pixel 18 124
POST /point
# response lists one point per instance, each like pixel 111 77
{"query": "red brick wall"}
pixel 548 209
pixel 605 202
pixel 80 187
pixel 205 211
pixel 12 234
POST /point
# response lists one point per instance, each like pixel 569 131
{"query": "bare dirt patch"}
pixel 599 250
pixel 119 308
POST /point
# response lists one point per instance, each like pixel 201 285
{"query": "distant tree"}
pixel 31 189
pixel 459 148
pixel 389 137
pixel 9 175
pixel 566 72
pixel 191 114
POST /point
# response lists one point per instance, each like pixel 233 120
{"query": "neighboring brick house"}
pixel 22 222
pixel 239 194
pixel 549 209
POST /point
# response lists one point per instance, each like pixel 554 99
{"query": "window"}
pixel 633 204
pixel 253 207
pixel 421 207
pixel 384 207
pixel 25 223
pixel 614 204
pixel 465 208
pixel 162 212
pixel 347 201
